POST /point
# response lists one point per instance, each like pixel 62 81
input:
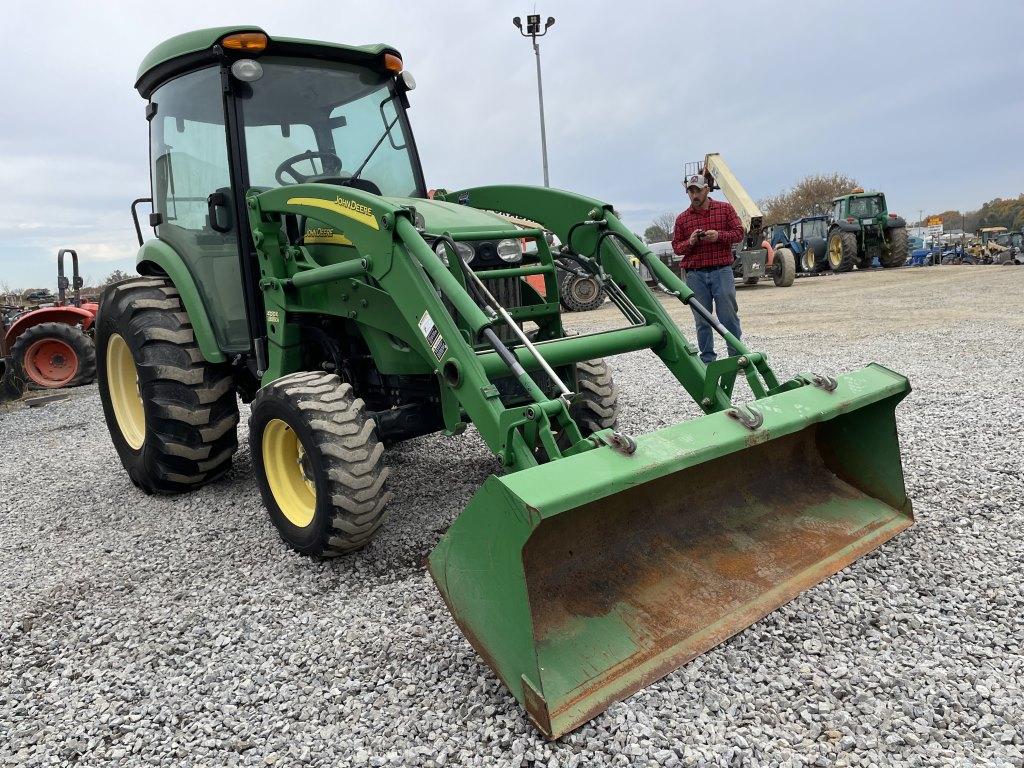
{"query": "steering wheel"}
pixel 330 165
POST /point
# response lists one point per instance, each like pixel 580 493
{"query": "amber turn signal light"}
pixel 249 42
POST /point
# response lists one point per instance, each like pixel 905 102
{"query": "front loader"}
pixel 301 266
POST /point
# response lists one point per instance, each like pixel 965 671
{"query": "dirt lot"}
pixel 178 631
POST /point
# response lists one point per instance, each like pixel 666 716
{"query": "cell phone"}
pixel 700 234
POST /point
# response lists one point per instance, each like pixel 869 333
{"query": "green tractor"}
pixel 300 265
pixel 862 229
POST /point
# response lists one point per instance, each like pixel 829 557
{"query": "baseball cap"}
pixel 695 180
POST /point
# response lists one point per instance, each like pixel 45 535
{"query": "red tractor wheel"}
pixel 54 355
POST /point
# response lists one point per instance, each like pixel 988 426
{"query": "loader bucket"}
pixel 582 580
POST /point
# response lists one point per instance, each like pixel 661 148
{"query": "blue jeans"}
pixel 719 287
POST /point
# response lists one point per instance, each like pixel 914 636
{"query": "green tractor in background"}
pixel 299 265
pixel 862 229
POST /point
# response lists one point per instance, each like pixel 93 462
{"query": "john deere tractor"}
pixel 299 265
pixel 862 229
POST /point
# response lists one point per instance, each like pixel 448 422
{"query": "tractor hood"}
pixel 439 217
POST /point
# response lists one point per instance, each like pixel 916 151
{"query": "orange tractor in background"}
pixel 52 347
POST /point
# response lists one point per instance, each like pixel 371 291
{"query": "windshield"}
pixel 327 121
pixel 867 206
pixel 814 228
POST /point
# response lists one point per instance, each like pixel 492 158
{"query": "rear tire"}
pixel 842 251
pixel 171 415
pixel 784 268
pixel 817 248
pixel 580 293
pixel 807 260
pixel 899 249
pixel 319 463
pixel 53 356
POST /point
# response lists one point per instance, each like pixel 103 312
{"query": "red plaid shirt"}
pixel 718 216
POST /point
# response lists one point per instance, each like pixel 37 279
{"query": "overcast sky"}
pixel 921 101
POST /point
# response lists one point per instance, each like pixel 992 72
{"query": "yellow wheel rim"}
pixel 288 474
pixel 835 251
pixel 123 388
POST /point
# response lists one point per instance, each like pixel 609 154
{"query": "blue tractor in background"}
pixel 807 238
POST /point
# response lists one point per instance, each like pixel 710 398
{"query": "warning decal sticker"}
pixel 433 336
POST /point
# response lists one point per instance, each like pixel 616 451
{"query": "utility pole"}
pixel 533 31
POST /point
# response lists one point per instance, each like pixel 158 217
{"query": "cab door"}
pixel 192 193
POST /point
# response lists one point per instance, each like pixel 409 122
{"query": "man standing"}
pixel 704 235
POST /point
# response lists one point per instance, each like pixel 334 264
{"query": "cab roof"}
pixel 862 193
pixel 193 49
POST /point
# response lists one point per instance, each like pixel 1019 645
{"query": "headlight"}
pixel 464 250
pixel 510 250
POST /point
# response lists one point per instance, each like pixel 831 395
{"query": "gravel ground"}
pixel 180 631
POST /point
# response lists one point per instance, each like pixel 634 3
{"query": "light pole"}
pixel 533 31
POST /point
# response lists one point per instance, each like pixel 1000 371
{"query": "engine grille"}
pixel 508 292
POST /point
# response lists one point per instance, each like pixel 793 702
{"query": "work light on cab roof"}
pixel 301 265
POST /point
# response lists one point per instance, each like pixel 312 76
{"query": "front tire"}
pixel 53 356
pixel 842 251
pixel 597 407
pixel 784 268
pixel 899 249
pixel 172 416
pixel 319 463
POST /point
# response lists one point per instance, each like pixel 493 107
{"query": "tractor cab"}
pixel 292 112
pixel 866 207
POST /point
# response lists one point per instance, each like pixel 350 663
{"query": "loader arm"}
pixel 721 177
pixel 586 226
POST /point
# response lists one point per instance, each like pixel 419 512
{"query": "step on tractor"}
pixel 862 230
pixel 52 347
pixel 298 264
pixel 753 257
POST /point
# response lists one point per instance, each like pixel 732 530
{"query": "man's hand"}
pixel 695 236
pixel 711 235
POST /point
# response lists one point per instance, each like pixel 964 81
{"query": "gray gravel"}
pixel 142 630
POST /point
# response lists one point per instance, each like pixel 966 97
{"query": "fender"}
pixel 67 315
pixel 156 257
pixel 894 223
pixel 846 226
